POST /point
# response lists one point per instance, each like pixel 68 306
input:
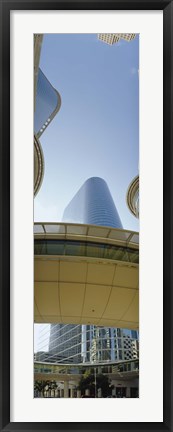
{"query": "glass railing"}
pixel 87 232
pixel 116 368
pixel 85 249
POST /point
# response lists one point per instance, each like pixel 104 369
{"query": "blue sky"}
pixel 96 132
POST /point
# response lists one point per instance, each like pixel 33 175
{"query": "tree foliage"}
pixel 90 381
pixel 42 386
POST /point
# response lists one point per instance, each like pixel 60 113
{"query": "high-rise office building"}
pixel 113 344
pixel 92 204
pixel 47 102
pixel 67 338
pixel 38 39
pixel 112 38
pixel 89 343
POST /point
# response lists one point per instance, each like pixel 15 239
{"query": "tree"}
pixel 103 382
pixel 39 388
pixel 87 382
pixel 90 381
pixel 53 386
pixel 42 386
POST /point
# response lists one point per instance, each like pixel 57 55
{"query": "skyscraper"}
pixel 92 204
pixel 112 38
pixel 68 340
pixel 38 39
pixel 89 343
pixel 47 102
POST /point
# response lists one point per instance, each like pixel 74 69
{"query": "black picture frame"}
pixel 5 8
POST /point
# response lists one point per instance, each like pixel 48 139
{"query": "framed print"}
pixel 93 81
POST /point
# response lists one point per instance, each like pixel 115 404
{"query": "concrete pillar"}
pixel 78 393
pixel 56 392
pixel 113 391
pixel 72 392
pixel 128 392
pixel 87 392
pixel 66 388
pixel 61 393
pixel 99 393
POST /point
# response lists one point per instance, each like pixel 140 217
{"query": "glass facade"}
pixel 87 344
pixel 65 343
pixel 48 102
pixel 131 365
pixel 82 248
pixel 93 204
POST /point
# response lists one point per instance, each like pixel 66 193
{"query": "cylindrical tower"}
pixel 93 204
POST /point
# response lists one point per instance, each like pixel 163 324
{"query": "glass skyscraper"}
pixel 92 204
pixel 69 343
pixel 48 102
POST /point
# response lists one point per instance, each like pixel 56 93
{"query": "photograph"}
pixel 86 215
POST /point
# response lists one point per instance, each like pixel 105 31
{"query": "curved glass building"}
pixel 93 204
pixel 48 102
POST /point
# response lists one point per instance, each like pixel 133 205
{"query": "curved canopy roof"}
pixel 72 288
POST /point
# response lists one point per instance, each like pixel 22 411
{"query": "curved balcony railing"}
pixel 102 234
pixel 86 241
pixel 85 249
pixel 107 368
